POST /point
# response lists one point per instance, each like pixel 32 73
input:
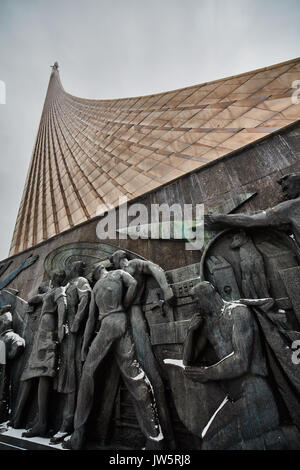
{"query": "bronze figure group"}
pixel 78 327
pixel 235 356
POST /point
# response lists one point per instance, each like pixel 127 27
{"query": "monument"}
pixel 110 340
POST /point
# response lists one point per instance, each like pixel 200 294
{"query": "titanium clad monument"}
pixel 121 331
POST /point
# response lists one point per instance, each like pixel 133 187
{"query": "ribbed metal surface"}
pixel 90 152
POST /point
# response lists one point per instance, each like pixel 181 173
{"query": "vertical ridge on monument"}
pixel 135 339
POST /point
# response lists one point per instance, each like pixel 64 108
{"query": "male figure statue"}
pixel 43 358
pixel 111 296
pixel 77 294
pixel 140 270
pixel 253 420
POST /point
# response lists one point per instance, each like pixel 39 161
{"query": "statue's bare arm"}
pixel 84 294
pixel 158 273
pixel 238 361
pixel 130 284
pixel 258 219
pixel 90 327
pixel 195 341
pixel 61 315
pixel 273 217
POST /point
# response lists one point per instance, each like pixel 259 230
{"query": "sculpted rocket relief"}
pixel 204 351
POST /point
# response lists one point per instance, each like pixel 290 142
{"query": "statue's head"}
pixel 43 287
pixel 75 270
pixel 119 259
pixel 5 309
pixel 239 239
pixel 207 297
pixel 57 278
pixel 290 185
pixel 98 271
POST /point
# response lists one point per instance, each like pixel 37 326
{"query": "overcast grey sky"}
pixel 121 48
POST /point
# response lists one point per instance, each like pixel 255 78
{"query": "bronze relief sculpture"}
pixel 140 270
pixel 43 357
pixel 76 296
pixel 112 295
pixel 207 346
pixel 241 368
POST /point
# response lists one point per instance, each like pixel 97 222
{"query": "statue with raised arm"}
pixel 248 418
pixel 43 358
pixel 140 270
pixel 77 296
pixel 285 215
pixel 112 295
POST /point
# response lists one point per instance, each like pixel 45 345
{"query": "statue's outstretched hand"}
pixel 211 221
